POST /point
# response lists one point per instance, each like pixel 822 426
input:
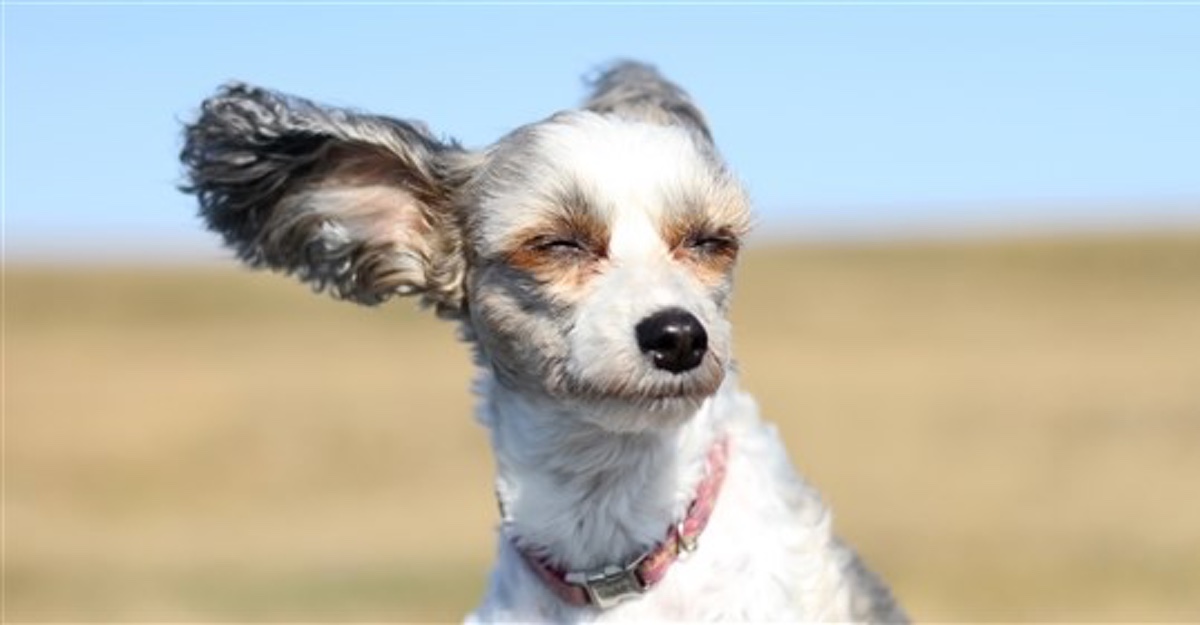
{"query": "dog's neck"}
pixel 583 497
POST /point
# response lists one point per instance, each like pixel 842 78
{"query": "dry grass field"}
pixel 1008 430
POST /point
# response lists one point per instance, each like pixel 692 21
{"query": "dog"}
pixel 588 261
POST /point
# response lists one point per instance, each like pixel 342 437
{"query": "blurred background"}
pixel 972 304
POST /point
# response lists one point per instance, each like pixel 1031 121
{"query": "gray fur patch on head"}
pixel 359 205
pixel 518 329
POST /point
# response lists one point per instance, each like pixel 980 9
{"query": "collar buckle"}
pixel 686 544
pixel 611 585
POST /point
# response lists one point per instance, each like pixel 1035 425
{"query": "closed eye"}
pixel 713 244
pixel 558 245
pixel 562 246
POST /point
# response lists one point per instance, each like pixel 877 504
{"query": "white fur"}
pixel 767 554
pixel 634 168
pixel 590 485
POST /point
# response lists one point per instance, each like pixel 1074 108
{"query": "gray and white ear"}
pixel 635 90
pixel 359 205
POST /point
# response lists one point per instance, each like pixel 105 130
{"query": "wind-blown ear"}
pixel 636 90
pixel 359 205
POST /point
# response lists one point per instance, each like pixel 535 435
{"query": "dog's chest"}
pixel 759 561
pixel 766 555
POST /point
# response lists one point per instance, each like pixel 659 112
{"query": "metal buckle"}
pixel 611 585
pixel 686 545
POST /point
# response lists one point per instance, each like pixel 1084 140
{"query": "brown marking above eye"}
pixel 703 228
pixel 697 235
pixel 710 249
pixel 559 245
pixel 566 248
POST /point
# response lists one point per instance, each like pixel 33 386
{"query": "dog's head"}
pixel 588 256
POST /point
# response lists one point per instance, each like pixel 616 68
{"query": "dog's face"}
pixel 589 256
pixel 601 256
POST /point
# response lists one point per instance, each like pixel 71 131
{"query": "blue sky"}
pixel 841 119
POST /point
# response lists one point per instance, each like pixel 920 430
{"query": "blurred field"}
pixel 1007 430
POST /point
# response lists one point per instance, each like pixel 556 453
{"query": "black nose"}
pixel 673 338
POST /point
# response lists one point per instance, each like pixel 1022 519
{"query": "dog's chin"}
pixel 646 406
pixel 621 416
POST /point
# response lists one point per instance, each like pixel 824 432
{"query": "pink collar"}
pixel 605 587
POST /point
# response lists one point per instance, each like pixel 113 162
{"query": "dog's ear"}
pixel 359 205
pixel 638 91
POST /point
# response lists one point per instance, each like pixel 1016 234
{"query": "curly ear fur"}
pixel 358 205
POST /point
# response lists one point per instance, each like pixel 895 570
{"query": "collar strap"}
pixel 605 587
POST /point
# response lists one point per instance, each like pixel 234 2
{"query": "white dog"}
pixel 588 259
